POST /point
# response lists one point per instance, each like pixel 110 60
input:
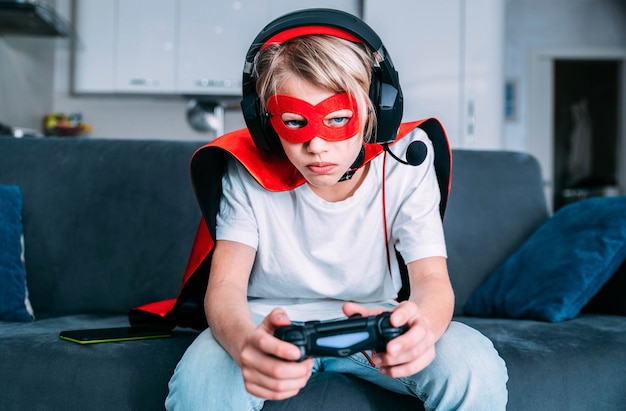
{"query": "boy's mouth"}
pixel 321 167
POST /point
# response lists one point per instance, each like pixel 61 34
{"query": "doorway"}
pixel 542 112
pixel 586 100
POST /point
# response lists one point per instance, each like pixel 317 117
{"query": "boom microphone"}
pixel 415 153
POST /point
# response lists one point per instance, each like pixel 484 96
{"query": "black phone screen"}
pixel 101 335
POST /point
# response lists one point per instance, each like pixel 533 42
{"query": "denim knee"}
pixel 207 378
pixel 467 373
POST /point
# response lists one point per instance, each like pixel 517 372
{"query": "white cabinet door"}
pixel 94 52
pixel 279 7
pixel 214 39
pixel 146 46
pixel 424 43
pixel 483 74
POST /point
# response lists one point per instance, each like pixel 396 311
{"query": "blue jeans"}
pixel 467 374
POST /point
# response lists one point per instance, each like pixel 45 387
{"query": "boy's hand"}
pixel 412 351
pixel 269 365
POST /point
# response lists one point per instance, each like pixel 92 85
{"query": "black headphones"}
pixel 385 92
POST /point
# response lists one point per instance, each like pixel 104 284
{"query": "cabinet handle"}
pixel 148 82
pixel 205 82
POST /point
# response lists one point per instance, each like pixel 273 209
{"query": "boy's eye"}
pixel 337 121
pixel 338 118
pixel 293 121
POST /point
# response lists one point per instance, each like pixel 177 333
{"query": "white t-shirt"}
pixel 313 255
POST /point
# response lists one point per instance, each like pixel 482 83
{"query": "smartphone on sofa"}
pixel 102 335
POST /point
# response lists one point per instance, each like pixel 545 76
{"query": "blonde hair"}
pixel 326 61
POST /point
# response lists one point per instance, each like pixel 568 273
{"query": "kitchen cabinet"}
pixel 94 48
pixel 125 46
pixel 190 47
pixel 449 55
pixel 214 38
pixel 145 46
pixel 277 8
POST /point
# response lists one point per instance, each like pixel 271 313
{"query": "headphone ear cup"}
pixel 258 124
pixel 270 135
pixel 250 111
pixel 389 112
pixel 374 95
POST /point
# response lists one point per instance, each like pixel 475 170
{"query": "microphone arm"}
pixel 415 153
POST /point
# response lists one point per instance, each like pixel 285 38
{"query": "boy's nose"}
pixel 317 145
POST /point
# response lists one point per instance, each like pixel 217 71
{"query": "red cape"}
pixel 274 173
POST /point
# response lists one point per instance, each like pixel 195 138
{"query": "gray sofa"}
pixel 108 226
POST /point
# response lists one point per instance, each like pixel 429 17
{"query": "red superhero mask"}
pixel 315 118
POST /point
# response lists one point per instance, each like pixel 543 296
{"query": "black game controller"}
pixel 340 338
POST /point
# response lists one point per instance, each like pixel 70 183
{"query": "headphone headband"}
pixel 385 91
pixel 292 33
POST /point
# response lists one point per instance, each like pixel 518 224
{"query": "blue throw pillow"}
pixel 555 273
pixel 13 294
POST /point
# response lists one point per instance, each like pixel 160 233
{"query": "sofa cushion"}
pixel 342 392
pixel 13 295
pixel 556 366
pixel 561 266
pixel 130 375
pixel 133 375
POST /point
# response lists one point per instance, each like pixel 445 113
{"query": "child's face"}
pixel 322 160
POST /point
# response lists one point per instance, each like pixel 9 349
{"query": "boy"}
pixel 323 249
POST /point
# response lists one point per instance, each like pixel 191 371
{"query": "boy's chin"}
pixel 323 181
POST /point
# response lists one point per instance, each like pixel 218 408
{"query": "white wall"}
pixel 25 79
pixel 535 25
